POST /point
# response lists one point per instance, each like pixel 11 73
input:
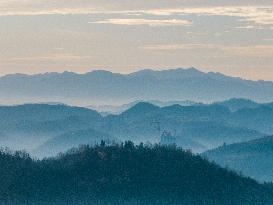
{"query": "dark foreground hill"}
pixel 253 158
pixel 125 174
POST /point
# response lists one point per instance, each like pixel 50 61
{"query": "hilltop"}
pixel 127 174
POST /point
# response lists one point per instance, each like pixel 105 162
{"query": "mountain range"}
pixel 118 109
pixel 45 130
pixel 99 87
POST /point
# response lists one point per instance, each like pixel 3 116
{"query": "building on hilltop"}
pixel 167 138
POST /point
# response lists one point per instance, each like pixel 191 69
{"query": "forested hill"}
pixel 125 174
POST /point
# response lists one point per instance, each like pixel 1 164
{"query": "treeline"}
pixel 124 174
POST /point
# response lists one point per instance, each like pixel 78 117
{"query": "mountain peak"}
pixel 141 107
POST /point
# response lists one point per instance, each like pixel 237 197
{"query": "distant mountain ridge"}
pixel 104 86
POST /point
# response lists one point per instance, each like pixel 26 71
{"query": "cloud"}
pixel 258 12
pixel 177 46
pixel 260 15
pixel 268 39
pixel 149 22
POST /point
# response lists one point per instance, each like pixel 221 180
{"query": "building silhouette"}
pixel 167 138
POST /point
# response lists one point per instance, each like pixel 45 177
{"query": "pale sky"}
pixel 232 37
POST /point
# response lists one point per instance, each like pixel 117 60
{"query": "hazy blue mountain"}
pixel 28 135
pixel 236 104
pixel 103 86
pixel 140 109
pixel 140 119
pixel 118 109
pixel 250 114
pixel 260 119
pixel 28 126
pixel 43 112
pixel 168 74
pixel 253 158
pixel 197 127
pixel 209 112
pixel 174 102
pixel 189 143
pixel 212 134
pixel 69 140
pixel 205 126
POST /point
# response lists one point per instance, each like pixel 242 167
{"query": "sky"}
pixel 231 37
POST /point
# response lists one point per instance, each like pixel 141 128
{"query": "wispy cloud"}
pixel 177 46
pixel 257 14
pixel 148 22
pixel 261 15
